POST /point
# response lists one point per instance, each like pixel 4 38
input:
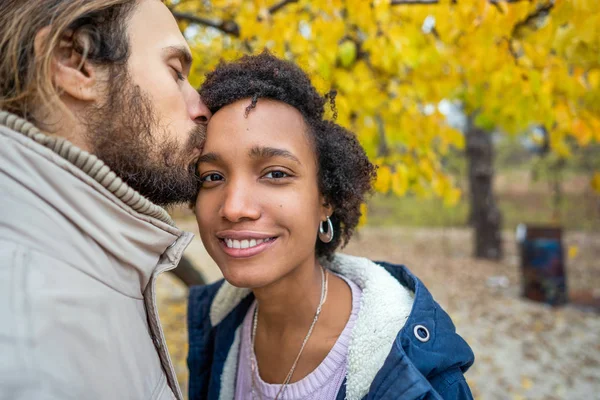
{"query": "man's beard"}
pixel 126 135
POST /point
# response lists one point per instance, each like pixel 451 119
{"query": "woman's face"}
pixel 259 208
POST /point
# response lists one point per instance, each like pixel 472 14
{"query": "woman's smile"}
pixel 244 244
pixel 245 252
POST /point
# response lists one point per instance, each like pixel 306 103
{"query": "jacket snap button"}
pixel 421 333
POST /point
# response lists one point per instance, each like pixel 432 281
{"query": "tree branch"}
pixel 531 20
pixel 507 1
pixel 229 27
pixel 426 2
pixel 273 9
pixel 413 2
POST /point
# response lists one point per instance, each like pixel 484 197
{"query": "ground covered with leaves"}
pixel 523 350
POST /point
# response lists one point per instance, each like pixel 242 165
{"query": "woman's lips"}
pixel 246 252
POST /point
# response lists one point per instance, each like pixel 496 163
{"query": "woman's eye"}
pixel 276 175
pixel 211 178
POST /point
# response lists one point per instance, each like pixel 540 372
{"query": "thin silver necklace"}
pixel 253 362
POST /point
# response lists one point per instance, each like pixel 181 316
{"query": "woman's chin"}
pixel 247 279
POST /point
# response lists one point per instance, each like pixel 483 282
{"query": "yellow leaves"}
pixel 400 181
pixel 526 383
pixel 384 179
pixel 389 66
pixel 344 108
pixel 250 26
pixel 594 123
pixel 558 144
pixel 417 176
pixel 443 188
pixel 347 53
pixel 368 132
pixel 577 36
pixel 452 197
pixel 453 137
pixel 595 183
pixel 345 80
pixel 562 115
pixel 384 55
pixel 381 10
pixel 360 13
pixel 593 78
pixel 362 221
pixel 581 131
pixel 426 169
pixel 572 252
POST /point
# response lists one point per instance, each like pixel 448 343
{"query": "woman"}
pixel 281 191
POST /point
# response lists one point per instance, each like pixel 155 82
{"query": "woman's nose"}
pixel 239 204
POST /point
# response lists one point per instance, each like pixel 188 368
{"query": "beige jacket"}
pixel 79 255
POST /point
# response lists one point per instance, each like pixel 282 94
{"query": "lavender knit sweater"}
pixel 323 383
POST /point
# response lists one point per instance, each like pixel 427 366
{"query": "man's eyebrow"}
pixel 268 152
pixel 209 158
pixel 180 52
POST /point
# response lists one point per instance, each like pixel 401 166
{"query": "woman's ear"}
pixel 71 70
pixel 326 209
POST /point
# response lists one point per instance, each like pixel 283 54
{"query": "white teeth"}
pixel 243 244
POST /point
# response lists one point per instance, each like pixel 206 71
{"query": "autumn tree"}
pixel 509 65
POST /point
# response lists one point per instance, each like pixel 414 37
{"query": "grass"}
pixel 519 202
pixel 388 210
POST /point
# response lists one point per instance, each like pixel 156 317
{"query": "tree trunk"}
pixel 556 189
pixel 188 274
pixel 485 216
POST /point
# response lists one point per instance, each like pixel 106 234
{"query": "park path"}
pixel 524 350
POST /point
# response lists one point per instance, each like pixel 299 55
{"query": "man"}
pixel 99 127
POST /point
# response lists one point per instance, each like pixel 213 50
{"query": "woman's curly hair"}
pixel 345 173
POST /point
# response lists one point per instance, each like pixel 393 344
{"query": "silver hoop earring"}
pixel 326 237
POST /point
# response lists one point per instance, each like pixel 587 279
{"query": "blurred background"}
pixel 484 119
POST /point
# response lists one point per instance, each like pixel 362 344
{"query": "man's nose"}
pixel 199 112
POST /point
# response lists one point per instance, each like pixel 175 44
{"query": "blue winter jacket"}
pixel 403 345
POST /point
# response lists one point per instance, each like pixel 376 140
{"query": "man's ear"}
pixel 71 71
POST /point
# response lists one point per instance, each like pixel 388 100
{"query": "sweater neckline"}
pixel 320 376
pixel 90 164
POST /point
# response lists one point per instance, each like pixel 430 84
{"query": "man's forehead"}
pixel 152 23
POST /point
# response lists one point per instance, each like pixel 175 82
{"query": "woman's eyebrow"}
pixel 269 152
pixel 209 158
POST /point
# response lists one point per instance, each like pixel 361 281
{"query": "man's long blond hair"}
pixel 25 74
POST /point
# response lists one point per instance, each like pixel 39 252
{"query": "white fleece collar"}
pixel 385 307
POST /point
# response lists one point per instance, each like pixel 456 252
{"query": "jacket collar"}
pixel 138 238
pixel 385 307
pixel 89 164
